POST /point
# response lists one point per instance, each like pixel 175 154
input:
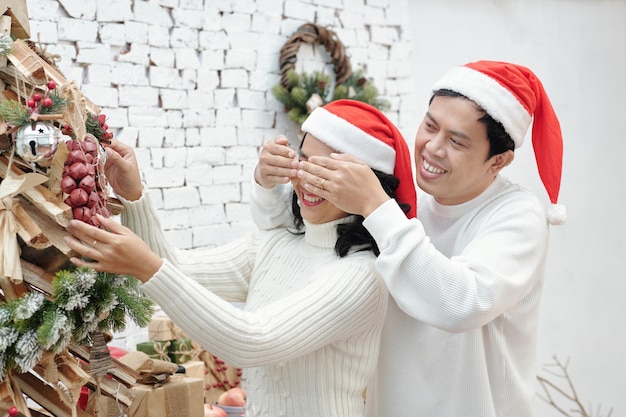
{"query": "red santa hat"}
pixel 363 131
pixel 514 96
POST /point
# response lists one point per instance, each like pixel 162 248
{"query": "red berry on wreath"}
pixel 47 102
pixel 51 85
pixel 31 103
pixel 13 411
pixel 37 97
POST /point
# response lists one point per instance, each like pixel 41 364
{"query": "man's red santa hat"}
pixel 363 131
pixel 514 96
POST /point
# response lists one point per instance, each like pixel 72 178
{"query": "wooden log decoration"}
pixel 27 63
pixel 35 70
pixel 314 34
pixel 41 197
pixel 5 29
pixel 100 362
pixel 18 11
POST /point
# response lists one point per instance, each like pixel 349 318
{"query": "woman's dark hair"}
pixel 354 234
pixel 499 140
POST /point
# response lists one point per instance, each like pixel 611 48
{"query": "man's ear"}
pixel 502 160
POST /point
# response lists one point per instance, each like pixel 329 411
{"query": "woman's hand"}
pixel 122 171
pixel 114 249
pixel 345 181
pixel 277 163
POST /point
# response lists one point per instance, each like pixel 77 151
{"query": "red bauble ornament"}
pixel 93 220
pixel 82 213
pixel 72 144
pixel 75 155
pixel 68 184
pixel 93 199
pixel 78 170
pixel 13 411
pixel 87 183
pixel 77 198
pixel 90 147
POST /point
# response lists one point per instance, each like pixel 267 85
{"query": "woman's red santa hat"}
pixel 514 96
pixel 363 131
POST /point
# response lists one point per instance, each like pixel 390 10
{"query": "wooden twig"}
pixel 569 393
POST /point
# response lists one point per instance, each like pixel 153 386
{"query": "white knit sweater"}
pixel 460 338
pixel 308 336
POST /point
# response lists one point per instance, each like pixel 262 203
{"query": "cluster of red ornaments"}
pixel 82 182
pixel 103 133
pixel 37 99
pixel 102 122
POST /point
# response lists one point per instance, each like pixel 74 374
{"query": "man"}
pixel 467 274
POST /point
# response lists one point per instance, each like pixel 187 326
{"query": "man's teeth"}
pixel 432 169
pixel 312 199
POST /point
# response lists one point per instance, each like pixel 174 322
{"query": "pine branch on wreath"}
pixel 305 92
pixel 358 87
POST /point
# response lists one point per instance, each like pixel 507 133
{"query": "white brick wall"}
pixel 187 82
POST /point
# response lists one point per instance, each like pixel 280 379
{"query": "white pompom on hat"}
pixel 363 131
pixel 512 95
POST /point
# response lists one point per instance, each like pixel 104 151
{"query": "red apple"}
pixel 234 397
pixel 210 411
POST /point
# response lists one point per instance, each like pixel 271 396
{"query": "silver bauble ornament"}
pixel 36 142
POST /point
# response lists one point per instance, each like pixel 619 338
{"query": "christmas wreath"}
pixel 302 93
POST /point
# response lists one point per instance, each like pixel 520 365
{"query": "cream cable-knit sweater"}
pixel 308 336
pixel 460 337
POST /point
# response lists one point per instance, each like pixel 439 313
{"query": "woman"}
pixel 308 336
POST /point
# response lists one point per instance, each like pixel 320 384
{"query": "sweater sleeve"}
pixel 231 263
pixel 270 208
pixel 338 301
pixel 141 217
pixel 497 266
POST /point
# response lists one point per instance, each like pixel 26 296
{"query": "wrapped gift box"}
pixel 156 349
pixel 181 351
pixel 194 369
pixel 178 396
pixel 163 328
